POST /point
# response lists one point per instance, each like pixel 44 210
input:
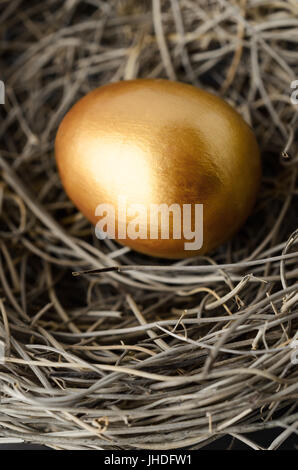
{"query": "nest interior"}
pixel 154 354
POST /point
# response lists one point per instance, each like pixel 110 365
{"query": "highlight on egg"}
pixel 163 167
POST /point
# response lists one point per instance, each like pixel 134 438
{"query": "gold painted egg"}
pixel 163 167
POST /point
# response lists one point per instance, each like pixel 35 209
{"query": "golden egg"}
pixel 163 167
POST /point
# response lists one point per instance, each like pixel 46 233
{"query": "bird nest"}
pixel 149 354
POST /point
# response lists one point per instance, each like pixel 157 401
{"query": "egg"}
pixel 163 167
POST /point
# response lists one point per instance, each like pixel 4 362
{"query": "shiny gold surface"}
pixel 157 141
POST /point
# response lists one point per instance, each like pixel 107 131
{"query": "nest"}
pixel 150 354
